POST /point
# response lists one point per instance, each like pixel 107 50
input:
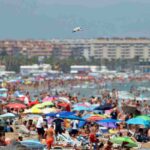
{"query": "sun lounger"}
pixel 68 140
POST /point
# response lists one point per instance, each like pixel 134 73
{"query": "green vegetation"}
pixel 13 63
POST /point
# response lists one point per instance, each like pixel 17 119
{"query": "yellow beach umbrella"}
pixel 37 106
pixel 48 103
pixel 49 110
pixel 36 111
pixel 33 111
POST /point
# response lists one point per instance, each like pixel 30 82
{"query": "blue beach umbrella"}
pixel 111 123
pixel 32 144
pixel 81 108
pixel 7 115
pixel 65 113
pixel 51 114
pixel 62 113
pixel 71 117
pixel 138 121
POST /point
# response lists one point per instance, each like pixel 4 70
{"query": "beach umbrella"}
pixel 21 98
pixel 147 118
pixel 36 111
pixel 48 103
pixel 48 99
pixel 15 106
pixel 122 140
pixel 94 106
pixel 52 114
pixel 33 103
pixel 48 110
pixel 62 104
pixel 81 108
pixel 82 104
pixel 7 115
pixel 33 111
pixel 138 121
pixel 109 123
pixel 65 113
pixel 95 118
pixel 62 113
pixel 87 116
pixel 71 117
pixel 32 144
pixel 37 106
pixel 104 107
pixel 64 99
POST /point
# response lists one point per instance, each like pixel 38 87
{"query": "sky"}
pixel 55 19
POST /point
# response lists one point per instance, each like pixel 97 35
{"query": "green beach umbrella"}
pixel 121 140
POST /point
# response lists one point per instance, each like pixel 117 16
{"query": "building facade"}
pixel 102 48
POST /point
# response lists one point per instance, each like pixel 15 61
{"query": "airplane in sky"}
pixel 76 29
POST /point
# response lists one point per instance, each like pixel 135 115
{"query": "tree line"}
pixel 13 62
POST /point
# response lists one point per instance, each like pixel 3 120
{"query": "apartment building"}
pixel 106 48
pixel 28 48
pixel 127 48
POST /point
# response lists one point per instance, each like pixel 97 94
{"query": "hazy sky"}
pixel 47 19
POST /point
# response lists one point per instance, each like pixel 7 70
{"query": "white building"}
pixel 77 69
pixel 27 70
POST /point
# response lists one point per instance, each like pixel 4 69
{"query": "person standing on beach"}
pixel 49 134
pixel 40 127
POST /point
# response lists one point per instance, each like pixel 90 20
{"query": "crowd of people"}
pixel 76 133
